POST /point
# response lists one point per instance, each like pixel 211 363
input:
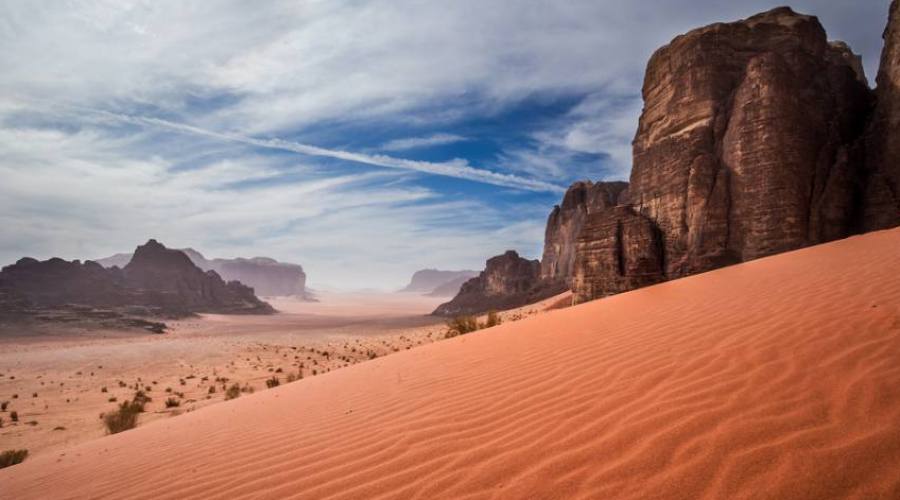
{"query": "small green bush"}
pixel 12 457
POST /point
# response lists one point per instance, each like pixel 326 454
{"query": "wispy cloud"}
pixel 458 168
pixel 407 143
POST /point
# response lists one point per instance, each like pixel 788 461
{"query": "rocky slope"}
pixel 882 208
pixel 266 276
pixel 507 281
pixel 438 283
pixel 157 281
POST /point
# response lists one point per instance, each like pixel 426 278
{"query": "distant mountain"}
pixel 268 277
pixel 450 288
pixel 428 281
pixel 162 280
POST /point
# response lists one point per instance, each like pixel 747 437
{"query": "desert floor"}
pixel 777 378
pixel 59 380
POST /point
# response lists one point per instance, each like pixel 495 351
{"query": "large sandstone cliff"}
pixel 747 143
pixel 757 137
pixel 882 208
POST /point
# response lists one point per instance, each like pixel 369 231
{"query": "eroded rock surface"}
pixel 882 199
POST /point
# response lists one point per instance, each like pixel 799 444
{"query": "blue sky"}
pixel 364 140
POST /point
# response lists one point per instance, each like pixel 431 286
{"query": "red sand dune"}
pixel 778 378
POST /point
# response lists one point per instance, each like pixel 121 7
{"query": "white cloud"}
pixel 421 142
pixel 84 194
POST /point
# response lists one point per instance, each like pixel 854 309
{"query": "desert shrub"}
pixel 123 418
pixel 12 457
pixel 461 325
pixel 493 319
pixel 292 377
pixel 247 388
pixel 273 382
pixel 172 403
pixel 14 416
pixel 212 389
pixel 113 399
pixel 233 392
pixel 3 405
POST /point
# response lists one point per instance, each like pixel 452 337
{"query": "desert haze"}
pixel 474 249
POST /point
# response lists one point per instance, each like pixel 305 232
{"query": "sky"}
pixel 361 139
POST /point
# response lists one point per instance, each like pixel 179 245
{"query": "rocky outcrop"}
pixel 438 283
pixel 882 198
pixel 618 250
pixel 746 146
pixel 749 145
pixel 507 281
pixel 565 222
pixel 173 280
pixel 266 276
pixel 157 281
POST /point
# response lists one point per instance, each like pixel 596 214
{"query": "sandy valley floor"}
pixel 60 381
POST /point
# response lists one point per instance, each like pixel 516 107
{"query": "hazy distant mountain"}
pixel 450 288
pixel 268 277
pixel 156 278
pixel 438 283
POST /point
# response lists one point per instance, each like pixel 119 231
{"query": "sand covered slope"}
pixel 777 378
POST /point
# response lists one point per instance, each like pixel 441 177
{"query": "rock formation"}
pixel 507 281
pixel 746 144
pixel 565 223
pixel 618 250
pixel 882 199
pixel 157 280
pixel 438 283
pixel 174 281
pixel 266 276
pixel 757 137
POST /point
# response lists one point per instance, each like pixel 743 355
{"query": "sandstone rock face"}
pixel 507 281
pixel 56 282
pixel 565 223
pixel 746 147
pixel 438 283
pixel 618 250
pixel 882 199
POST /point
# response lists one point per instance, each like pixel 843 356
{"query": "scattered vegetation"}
pixel 3 405
pixel 233 392
pixel 14 416
pixel 124 418
pixel 273 382
pixel 12 457
pixel 462 325
pixel 172 403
